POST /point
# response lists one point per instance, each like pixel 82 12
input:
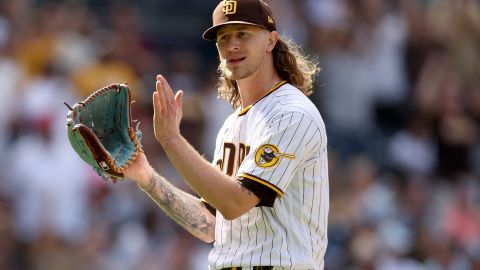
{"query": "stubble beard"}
pixel 241 72
pixel 236 74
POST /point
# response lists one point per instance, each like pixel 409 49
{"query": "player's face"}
pixel 242 49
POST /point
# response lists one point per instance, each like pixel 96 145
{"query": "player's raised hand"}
pixel 167 111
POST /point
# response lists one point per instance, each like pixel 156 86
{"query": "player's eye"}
pixel 221 38
pixel 242 34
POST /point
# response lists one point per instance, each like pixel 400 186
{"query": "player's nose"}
pixel 233 44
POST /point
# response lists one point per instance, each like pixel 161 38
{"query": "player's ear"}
pixel 272 40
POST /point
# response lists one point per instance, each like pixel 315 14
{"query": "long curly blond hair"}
pixel 290 63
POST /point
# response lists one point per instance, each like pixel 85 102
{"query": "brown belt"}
pixel 254 268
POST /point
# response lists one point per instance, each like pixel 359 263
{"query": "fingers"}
pixel 168 89
pixel 163 85
pixel 167 110
pixel 179 99
pixel 161 95
pixel 163 98
pixel 156 103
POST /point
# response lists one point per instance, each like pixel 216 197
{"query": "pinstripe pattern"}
pixel 292 233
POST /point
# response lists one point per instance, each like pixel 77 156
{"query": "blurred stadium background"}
pixel 399 91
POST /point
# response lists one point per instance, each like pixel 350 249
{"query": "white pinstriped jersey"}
pixel 279 143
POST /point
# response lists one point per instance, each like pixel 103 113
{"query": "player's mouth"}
pixel 235 60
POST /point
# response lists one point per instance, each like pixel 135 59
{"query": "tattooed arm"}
pixel 185 209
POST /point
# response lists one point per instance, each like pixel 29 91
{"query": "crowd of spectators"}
pixel 399 91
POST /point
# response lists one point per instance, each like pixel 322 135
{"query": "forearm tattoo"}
pixel 182 207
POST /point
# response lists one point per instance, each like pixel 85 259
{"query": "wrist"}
pixel 143 179
pixel 168 142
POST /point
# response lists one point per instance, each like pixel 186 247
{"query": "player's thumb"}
pixel 179 98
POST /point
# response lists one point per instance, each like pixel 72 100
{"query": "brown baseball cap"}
pixel 251 12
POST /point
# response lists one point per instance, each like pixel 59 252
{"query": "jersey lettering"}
pixel 230 154
pixel 243 152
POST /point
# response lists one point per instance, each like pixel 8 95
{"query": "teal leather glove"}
pixel 100 131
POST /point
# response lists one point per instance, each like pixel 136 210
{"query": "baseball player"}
pixel 264 199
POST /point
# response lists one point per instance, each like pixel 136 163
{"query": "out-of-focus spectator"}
pixel 106 71
pixel 290 25
pixel 365 83
pixel 456 131
pixel 415 140
pixel 8 245
pixel 128 42
pixel 43 167
pixel 461 219
pixel 11 76
pixel 75 46
pixel 370 201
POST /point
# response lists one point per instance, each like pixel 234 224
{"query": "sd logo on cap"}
pixel 229 7
pixel 251 12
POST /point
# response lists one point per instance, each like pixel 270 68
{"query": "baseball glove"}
pixel 100 131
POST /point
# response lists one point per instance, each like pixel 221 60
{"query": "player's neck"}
pixel 256 86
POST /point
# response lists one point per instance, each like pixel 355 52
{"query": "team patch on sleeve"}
pixel 268 155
